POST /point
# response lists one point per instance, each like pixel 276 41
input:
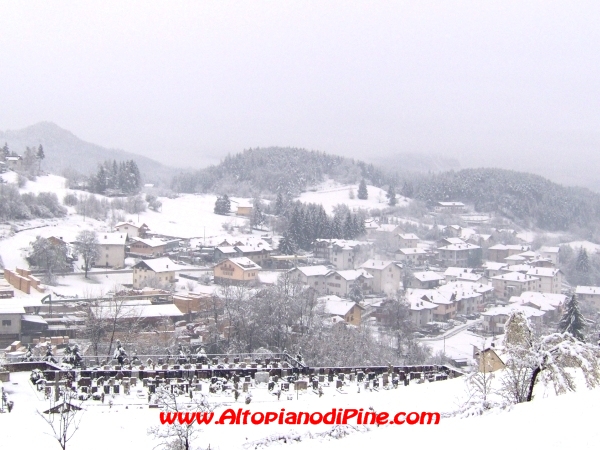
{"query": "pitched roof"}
pixel 244 263
pixel 455 271
pixel 112 238
pixel 351 275
pixel 376 264
pixel 515 276
pixel 158 265
pixel 409 237
pixel 543 272
pixel 589 290
pixel 311 271
pixel 428 276
pixel 339 307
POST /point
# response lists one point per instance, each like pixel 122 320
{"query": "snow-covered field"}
pixel 548 422
pixel 330 194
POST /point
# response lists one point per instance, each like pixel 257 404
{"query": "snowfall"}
pixel 548 422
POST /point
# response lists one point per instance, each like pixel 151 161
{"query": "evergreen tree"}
pixel 407 189
pixel 363 194
pixel 257 218
pixel 355 293
pixel 391 195
pixel 287 245
pixel 40 156
pixel 5 151
pixel 582 268
pixel 222 205
pixel 279 205
pixel 572 320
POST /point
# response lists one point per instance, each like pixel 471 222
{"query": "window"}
pixel 6 323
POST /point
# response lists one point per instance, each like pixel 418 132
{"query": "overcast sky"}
pixel 511 84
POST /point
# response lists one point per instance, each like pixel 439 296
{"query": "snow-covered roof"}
pixel 469 276
pixel 158 265
pixel 587 290
pixel 227 250
pixel 515 276
pixel 523 268
pixel 460 290
pixel 451 204
pixel 131 224
pixel 543 272
pixel 431 295
pixel 412 251
pixel 490 265
pixel 506 310
pixel 33 319
pixel 376 264
pixel 457 247
pixel 522 248
pixel 455 271
pixel 153 242
pixel 454 240
pixel 418 304
pixel 428 275
pixel 11 308
pixel 312 271
pixel 543 301
pixel 244 263
pixel 112 238
pixel 253 248
pixel 137 311
pixel 339 307
pixel 515 258
pixel 351 275
pixel 409 236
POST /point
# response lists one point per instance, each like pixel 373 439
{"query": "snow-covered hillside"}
pixel 330 193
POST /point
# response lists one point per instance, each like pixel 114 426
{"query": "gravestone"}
pixel 245 387
pixel 301 385
pixel 321 378
pixel 338 384
pixel 261 377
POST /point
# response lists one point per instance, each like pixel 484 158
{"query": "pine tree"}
pixel 222 205
pixel 391 195
pixel 40 156
pixel 572 320
pixel 257 218
pixel 279 205
pixel 363 194
pixel 582 267
pixel 287 245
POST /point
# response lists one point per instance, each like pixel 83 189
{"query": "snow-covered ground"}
pixel 330 194
pixel 548 422
pixel 590 247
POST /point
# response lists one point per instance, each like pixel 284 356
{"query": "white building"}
pixel 150 271
pixel 111 248
pixel 408 240
pixel 458 255
pixel 589 295
pixel 387 275
pixel 341 282
pixel 313 276
pixel 514 284
pixel 550 279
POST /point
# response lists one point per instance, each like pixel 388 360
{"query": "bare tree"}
pixel 63 417
pixel 87 247
pixel 182 432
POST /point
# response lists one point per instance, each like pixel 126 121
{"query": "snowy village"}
pixel 304 224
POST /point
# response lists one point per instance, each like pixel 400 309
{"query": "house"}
pixel 224 252
pixel 350 312
pixel 551 253
pixel 421 311
pixel 10 320
pixel 343 254
pixel 589 295
pixel 236 271
pixel 489 359
pixel 408 240
pixel 445 302
pixel 551 304
pixel 452 273
pixel 468 300
pixel 450 207
pixel 493 269
pixel 387 275
pixel 244 209
pixel 151 271
pixel 550 279
pixel 132 230
pixel 499 252
pixel 424 280
pixel 152 247
pixel 258 253
pixel 471 297
pixel 14 162
pixel 460 255
pixel 313 276
pixel 341 282
pixel 111 250
pixel 495 318
pixel 513 284
pixel 412 256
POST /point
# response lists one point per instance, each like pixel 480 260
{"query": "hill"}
pixel 528 199
pixel 275 169
pixel 65 150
